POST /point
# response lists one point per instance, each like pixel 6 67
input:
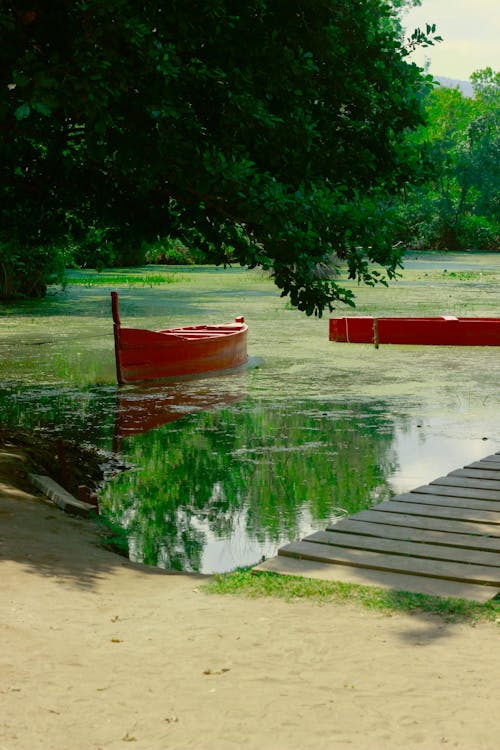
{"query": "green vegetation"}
pixel 27 273
pixel 292 588
pixel 265 133
pixel 169 251
pixel 129 278
pixel 456 205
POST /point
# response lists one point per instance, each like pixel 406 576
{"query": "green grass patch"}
pixel 485 276
pixel 470 275
pixel 293 588
pixel 121 279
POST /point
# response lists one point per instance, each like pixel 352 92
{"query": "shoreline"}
pixel 99 651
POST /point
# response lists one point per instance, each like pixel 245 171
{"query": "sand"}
pixel 99 653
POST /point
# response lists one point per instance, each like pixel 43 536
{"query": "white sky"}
pixel 471 34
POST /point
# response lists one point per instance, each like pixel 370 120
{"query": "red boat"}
pixel 154 355
pixel 445 331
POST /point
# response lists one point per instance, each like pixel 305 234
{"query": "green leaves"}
pixel 22 111
pixel 457 205
pixel 419 38
pixel 41 108
pixel 256 131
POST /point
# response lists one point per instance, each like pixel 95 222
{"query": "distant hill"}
pixel 453 83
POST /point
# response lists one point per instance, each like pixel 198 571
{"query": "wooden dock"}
pixel 441 539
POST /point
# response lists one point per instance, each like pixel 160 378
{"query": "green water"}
pixel 223 471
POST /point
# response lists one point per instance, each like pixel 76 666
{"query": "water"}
pixel 222 488
pixel 225 470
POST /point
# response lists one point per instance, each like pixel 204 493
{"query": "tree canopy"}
pixel 267 132
pixel 457 204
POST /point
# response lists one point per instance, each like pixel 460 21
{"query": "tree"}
pixel 266 132
pixel 484 148
pixel 457 206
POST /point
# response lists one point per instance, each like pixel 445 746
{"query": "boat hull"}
pixel 443 331
pixel 143 355
pixel 153 355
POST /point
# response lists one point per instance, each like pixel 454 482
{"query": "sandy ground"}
pixel 97 652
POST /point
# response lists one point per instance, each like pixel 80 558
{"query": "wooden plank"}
pixel 445 533
pixel 416 566
pixel 404 547
pixel 485 465
pixel 493 457
pixel 451 501
pixel 410 534
pixel 379 578
pixel 475 474
pixel 441 511
pixel 473 483
pixel 437 489
pixel 425 522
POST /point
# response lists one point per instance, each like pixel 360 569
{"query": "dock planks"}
pixel 442 538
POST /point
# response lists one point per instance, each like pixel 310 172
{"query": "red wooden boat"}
pixel 445 331
pixel 154 355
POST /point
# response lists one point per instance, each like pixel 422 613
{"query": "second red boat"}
pixel 444 331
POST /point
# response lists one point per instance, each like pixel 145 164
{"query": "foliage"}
pixel 458 205
pixel 169 251
pixel 27 272
pixel 265 132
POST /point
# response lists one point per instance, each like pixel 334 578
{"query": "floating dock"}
pixel 441 539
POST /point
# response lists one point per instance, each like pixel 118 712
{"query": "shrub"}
pixel 171 252
pixel 27 271
pixel 480 233
pixel 101 247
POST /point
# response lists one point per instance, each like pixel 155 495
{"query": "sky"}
pixel 470 31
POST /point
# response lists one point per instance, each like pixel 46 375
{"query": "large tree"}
pixel 267 131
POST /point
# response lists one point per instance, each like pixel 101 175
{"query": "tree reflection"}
pixel 264 471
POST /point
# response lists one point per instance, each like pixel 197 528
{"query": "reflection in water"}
pixel 220 489
pixel 140 409
pixel 85 415
pixel 104 415
pixel 223 486
pixel 219 480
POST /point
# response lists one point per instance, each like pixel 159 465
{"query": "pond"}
pixel 223 471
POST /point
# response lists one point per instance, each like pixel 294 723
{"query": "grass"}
pixel 445 276
pixel 291 588
pixel 152 276
pixel 93 278
pixel 470 275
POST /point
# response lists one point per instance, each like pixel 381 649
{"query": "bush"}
pixel 93 249
pixel 171 252
pixel 428 220
pixel 27 271
pixel 100 247
pixel 480 233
